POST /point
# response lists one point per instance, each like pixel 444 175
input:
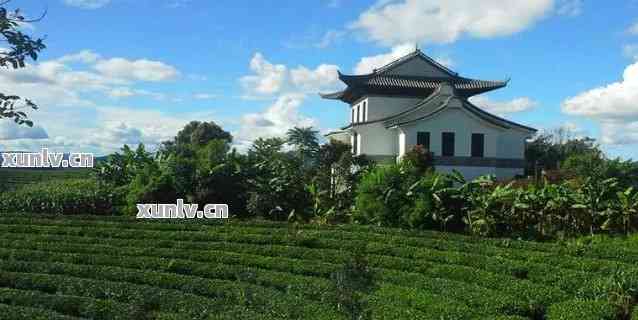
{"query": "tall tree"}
pixel 304 140
pixel 21 47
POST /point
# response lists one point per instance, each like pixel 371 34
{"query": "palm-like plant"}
pixel 304 140
pixel 627 208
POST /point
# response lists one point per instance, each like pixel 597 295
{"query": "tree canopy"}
pixel 21 47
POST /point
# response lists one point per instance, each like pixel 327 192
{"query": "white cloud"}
pixel 126 92
pixel 330 37
pixel 87 4
pixel 205 96
pixel 84 56
pixel 368 64
pixel 271 79
pixel 504 107
pixel 282 115
pixel 617 100
pixel 268 79
pixel 9 130
pixel 61 82
pixel 618 132
pixel 323 76
pixel 633 29
pixel 613 106
pixel 74 122
pixel 395 22
pixel 570 8
pixel 143 69
pixel 631 51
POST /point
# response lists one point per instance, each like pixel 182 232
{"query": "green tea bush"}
pixel 582 310
pixel 73 196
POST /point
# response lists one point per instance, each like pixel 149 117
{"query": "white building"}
pixel 415 100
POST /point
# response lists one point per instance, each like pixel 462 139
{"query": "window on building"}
pixel 352 117
pixel 478 144
pixel 355 138
pixel 365 111
pixel 447 144
pixel 356 117
pixel 423 139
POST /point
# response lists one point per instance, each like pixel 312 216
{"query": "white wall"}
pixel 512 144
pixel 382 107
pixel 401 143
pixel 376 139
pixel 463 125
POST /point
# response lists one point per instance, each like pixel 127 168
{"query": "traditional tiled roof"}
pixel 382 81
pixel 460 83
pixel 437 102
pixel 414 54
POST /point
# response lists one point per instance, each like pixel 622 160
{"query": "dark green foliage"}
pixel 582 310
pixel 119 267
pixel 20 47
pixel 418 160
pixel 381 196
pixel 393 195
pixel 11 178
pixel 71 196
pixel 352 283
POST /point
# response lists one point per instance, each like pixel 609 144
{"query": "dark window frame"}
pixel 423 139
pixel 478 145
pixel 365 110
pixel 448 141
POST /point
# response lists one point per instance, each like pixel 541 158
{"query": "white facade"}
pixel 386 126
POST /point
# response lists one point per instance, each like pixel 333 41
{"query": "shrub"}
pixel 381 196
pixel 73 196
pixel 581 310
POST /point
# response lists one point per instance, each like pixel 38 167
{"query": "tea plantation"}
pixel 121 268
pixel 13 178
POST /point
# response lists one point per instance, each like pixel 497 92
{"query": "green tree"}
pixel 21 47
pixel 194 134
pixel 304 140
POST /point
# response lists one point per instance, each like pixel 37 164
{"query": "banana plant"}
pixel 597 195
pixel 625 211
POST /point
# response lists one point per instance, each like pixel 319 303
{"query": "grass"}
pixel 118 267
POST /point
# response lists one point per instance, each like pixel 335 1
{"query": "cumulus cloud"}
pixel 570 8
pixel 617 100
pixel 274 121
pixel 633 29
pixel 9 130
pixel 126 92
pixel 205 96
pixel 396 22
pixel 87 4
pixel 143 69
pixel 64 88
pixel 330 37
pixel 504 107
pixel 614 106
pixel 84 56
pixel 268 78
pixel 631 51
pixel 62 81
pixel 272 79
pixel 368 64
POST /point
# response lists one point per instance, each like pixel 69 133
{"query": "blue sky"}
pixel 129 71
